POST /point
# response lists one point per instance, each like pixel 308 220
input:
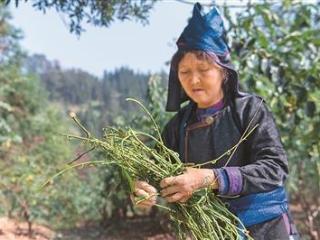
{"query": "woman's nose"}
pixel 194 79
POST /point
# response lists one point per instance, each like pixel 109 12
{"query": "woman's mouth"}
pixel 197 90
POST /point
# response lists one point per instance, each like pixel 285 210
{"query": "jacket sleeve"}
pixel 266 161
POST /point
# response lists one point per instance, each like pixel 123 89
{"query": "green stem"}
pixel 69 167
pixel 150 116
pixel 81 126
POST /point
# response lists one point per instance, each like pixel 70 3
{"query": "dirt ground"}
pixel 130 229
pixel 135 229
pixel 14 230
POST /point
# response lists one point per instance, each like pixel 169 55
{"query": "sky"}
pixel 129 43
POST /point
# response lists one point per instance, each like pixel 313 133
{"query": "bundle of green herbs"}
pixel 203 216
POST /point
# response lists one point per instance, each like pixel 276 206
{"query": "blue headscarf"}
pixel 204 32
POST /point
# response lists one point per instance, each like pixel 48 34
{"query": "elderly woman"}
pixel 251 182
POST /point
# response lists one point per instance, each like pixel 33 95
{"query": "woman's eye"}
pixel 184 72
pixel 204 69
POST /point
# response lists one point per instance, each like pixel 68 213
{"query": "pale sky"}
pixel 142 48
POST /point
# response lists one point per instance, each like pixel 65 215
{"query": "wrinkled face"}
pixel 201 80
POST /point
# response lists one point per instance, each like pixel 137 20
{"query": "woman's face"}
pixel 201 80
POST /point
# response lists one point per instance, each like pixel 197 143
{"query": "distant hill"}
pixel 92 98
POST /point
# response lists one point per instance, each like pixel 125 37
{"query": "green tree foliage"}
pixel 120 84
pixel 276 49
pixel 105 106
pixel 9 36
pixel 118 204
pixel 155 103
pixel 98 102
pixel 97 12
pixel 10 57
pixel 70 86
pixel 275 46
pixel 31 148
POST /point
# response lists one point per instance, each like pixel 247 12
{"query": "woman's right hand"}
pixel 142 190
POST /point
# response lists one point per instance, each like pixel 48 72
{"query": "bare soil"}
pixel 133 229
pixel 146 228
pixel 14 230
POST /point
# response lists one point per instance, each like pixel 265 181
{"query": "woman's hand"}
pixel 146 192
pixel 180 188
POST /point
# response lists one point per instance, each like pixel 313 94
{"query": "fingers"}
pixel 178 197
pixel 175 197
pixel 168 181
pixel 146 195
pixel 141 193
pixel 176 189
pixel 145 204
pixel 169 191
pixel 150 189
pixel 148 203
pixel 145 186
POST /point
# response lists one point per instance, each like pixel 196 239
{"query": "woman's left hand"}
pixel 180 188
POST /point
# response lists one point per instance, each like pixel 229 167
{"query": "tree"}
pixel 276 49
pixel 9 60
pixel 32 150
pixel 96 12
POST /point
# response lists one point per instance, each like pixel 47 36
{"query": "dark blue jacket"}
pixel 259 164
